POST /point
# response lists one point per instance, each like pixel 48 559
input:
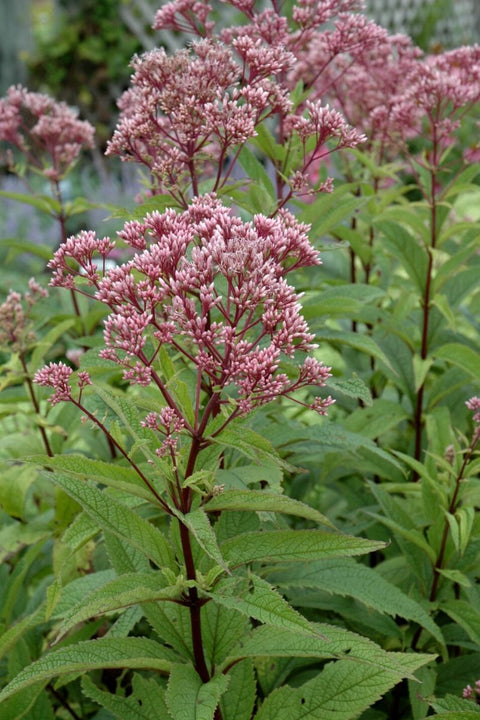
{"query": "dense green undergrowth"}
pixel 178 538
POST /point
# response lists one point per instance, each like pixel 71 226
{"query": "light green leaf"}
pixel 466 615
pixel 335 642
pixel 462 356
pixel 340 692
pixel 44 203
pixel 412 535
pixel 238 700
pixel 117 594
pixel 90 655
pixel 363 583
pixel 258 500
pixel 406 249
pixel 222 629
pixel 257 599
pixel 352 387
pixel 363 343
pixel 190 699
pixel 124 708
pixel 43 345
pixel 458 715
pixel 199 524
pixel 455 576
pixel 12 635
pixel 293 546
pixel 453 703
pixel 114 517
pixel 113 475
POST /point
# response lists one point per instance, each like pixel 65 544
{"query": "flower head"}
pixel 48 132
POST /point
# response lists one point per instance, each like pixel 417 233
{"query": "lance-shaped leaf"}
pixel 341 691
pixel 466 615
pixel 188 698
pixel 199 524
pixel 293 545
pixel 364 584
pixel 258 500
pixel 257 599
pixel 336 642
pixel 116 476
pixel 92 655
pixel 238 701
pixel 114 517
pixel 121 592
pixel 131 707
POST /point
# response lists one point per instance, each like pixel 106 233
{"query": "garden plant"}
pixel 240 436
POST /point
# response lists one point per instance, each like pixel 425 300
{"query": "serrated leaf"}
pixel 462 356
pixel 124 708
pixel 113 475
pixel 257 599
pixel 117 594
pixel 466 615
pixel 114 517
pixel 188 698
pixel 336 642
pixel 363 584
pixel 363 343
pixel 238 701
pixel 340 692
pixel 453 703
pixel 199 524
pixel 353 387
pixel 293 546
pixel 412 535
pixel 12 635
pixel 90 655
pixel 44 203
pixel 258 500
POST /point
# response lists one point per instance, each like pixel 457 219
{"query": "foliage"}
pixel 184 533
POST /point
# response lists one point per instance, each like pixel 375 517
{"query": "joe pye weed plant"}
pixel 195 559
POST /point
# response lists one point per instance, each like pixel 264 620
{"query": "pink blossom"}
pixel 474 405
pixel 214 287
pixel 56 376
pixel 46 131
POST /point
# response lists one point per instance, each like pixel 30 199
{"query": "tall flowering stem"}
pixel 50 138
pixel 212 289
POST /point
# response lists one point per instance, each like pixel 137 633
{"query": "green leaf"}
pixel 462 356
pixel 453 703
pixel 458 715
pixel 293 546
pixel 199 524
pixel 363 343
pixel 258 500
pixel 43 345
pixel 257 599
pixel 12 635
pixel 466 615
pixel 238 701
pixel 340 692
pixel 117 594
pixel 223 628
pixel 344 576
pixel 381 416
pixel 330 210
pixel 353 387
pixel 91 655
pixel 116 518
pixel 44 203
pixel 406 249
pixel 111 474
pixel 255 171
pixel 18 247
pixel 124 708
pixel 188 698
pixel 335 642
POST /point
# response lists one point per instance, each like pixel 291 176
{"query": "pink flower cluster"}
pixel 474 405
pixel 213 288
pixel 57 376
pixel 472 693
pixel 47 132
pixel 186 116
pixel 15 323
